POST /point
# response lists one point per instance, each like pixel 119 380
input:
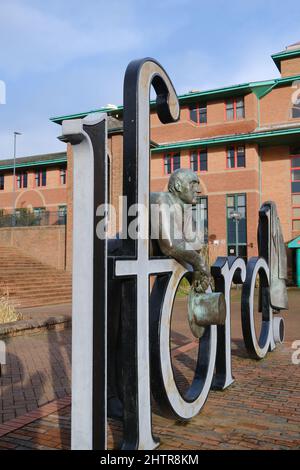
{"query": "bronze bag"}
pixel 205 309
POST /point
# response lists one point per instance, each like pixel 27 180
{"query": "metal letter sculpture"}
pixel 145 312
pixel 89 300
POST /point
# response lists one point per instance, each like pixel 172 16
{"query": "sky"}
pixel 61 57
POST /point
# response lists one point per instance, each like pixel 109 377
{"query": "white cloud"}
pixel 2 92
pixel 36 139
pixel 194 69
pixel 82 49
pixel 200 69
pixel 36 41
pixel 43 38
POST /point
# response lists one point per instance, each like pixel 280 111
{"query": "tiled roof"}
pixel 35 159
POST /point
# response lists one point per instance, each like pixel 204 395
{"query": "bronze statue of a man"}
pixel 172 221
pixel 172 234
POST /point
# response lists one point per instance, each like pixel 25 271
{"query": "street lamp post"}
pixel 236 216
pixel 14 178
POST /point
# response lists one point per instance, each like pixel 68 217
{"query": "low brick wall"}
pixel 46 244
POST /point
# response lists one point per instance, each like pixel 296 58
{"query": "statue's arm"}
pixel 169 224
pixel 177 250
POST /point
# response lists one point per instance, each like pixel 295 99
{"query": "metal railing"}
pixel 29 219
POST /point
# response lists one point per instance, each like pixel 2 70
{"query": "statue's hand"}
pixel 201 281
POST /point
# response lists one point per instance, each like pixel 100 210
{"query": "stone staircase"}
pixel 31 283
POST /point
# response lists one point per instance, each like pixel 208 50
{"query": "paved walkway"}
pixel 260 410
pixel 46 311
pixel 38 371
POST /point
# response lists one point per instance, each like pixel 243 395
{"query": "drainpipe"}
pixel 259 153
pixel 298 267
pixel 259 174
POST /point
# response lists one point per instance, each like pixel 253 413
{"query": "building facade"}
pixel 244 143
pixel 34 188
pixel 242 140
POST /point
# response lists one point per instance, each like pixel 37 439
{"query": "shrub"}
pixel 183 288
pixel 8 312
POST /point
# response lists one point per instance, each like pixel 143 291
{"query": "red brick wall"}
pixel 276 106
pixel 276 185
pixel 216 123
pixel 46 244
pixel 290 67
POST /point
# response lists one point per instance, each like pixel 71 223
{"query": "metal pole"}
pixel 14 179
pixel 14 183
pixel 236 237
pixel 298 267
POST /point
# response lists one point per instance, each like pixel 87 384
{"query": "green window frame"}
pixel 200 216
pixel 236 203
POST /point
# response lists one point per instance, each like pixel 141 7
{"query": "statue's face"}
pixel 189 188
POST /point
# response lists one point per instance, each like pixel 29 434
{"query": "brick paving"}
pixel 38 370
pixel 261 410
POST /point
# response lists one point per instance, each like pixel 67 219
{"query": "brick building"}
pixel 39 187
pixel 244 142
pixel 33 208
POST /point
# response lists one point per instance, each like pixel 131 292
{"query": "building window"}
pixel 38 211
pixel 41 216
pixel 1 182
pixel 40 177
pixel 171 162
pixel 296 109
pixel 236 157
pixel 295 188
pixel 235 109
pixel 198 160
pixel 200 216
pixel 63 176
pixel 62 215
pixel 22 180
pixel 237 230
pixel 198 113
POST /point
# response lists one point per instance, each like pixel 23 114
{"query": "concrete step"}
pixel 40 292
pixel 42 298
pixel 31 272
pixel 35 277
pixel 31 283
pixel 39 303
pixel 31 267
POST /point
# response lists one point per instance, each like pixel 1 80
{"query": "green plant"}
pixel 25 218
pixel 8 312
pixel 183 288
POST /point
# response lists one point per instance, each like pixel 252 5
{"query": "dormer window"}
pixel 235 109
pixel 296 109
pixel 198 113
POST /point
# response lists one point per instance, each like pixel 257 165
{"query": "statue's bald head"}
pixel 184 183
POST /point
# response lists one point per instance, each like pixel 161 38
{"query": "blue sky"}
pixel 68 56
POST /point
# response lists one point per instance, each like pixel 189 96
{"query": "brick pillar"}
pixel 69 228
pixel 115 145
